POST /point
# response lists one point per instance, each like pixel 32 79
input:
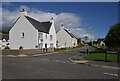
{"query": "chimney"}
pixel 62 26
pixel 23 13
pixel 51 20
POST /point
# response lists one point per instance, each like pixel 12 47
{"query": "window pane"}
pixel 40 35
pixel 51 44
pixel 51 37
pixel 46 35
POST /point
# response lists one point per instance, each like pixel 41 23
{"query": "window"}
pixel 23 35
pixel 46 35
pixel 51 44
pixel 51 37
pixel 41 45
pixel 40 35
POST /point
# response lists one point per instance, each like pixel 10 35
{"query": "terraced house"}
pixel 32 34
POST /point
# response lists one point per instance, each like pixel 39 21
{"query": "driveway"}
pixel 53 66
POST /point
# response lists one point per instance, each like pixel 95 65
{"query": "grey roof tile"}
pixel 70 34
pixel 40 26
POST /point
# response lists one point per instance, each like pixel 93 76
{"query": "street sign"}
pixel 57 42
pixel 86 38
pixel 41 40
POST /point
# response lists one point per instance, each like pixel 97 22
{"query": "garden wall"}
pixel 26 51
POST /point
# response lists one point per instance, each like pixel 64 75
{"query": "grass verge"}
pixel 66 49
pixel 101 57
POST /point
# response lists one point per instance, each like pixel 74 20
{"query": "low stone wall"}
pixel 26 51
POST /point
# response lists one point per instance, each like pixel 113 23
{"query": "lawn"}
pixel 98 54
pixel 101 57
pixel 66 49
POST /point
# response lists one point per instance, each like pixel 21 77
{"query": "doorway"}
pixel 46 47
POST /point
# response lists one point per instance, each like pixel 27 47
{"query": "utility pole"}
pixel 92 36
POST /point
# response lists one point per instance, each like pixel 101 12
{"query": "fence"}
pixel 110 52
pixel 26 51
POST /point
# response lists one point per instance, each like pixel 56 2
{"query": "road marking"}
pixel 111 74
pixel 63 62
pixel 45 54
pixel 11 56
pixel 72 63
pixel 22 55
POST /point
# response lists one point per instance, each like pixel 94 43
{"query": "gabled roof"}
pixel 70 33
pixel 40 26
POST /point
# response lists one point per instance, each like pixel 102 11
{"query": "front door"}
pixel 46 47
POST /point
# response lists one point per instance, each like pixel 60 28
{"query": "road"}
pixel 53 66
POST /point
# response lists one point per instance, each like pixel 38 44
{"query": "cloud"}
pixel 69 20
pixel 81 33
pixel 0 18
pixel 8 18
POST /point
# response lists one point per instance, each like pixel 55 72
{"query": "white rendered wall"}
pixel 30 39
pixel 64 38
pixel 53 33
pixel 48 41
pixel 74 41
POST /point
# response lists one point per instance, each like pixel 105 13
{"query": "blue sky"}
pixel 94 16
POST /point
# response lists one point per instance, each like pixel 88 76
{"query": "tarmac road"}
pixel 53 66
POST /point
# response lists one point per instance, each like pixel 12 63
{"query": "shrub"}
pixel 7 47
pixel 20 47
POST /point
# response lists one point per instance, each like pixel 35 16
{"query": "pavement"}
pixel 79 59
pixel 56 65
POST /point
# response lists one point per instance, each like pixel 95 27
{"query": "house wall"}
pixel 48 41
pixel 74 42
pixel 53 33
pixel 30 39
pixel 64 39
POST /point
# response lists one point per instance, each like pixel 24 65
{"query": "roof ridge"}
pixel 33 19
pixel 71 34
pixel 40 26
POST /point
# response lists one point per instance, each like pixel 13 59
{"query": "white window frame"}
pixel 51 45
pixel 46 36
pixel 51 37
pixel 22 34
pixel 40 35
pixel 41 45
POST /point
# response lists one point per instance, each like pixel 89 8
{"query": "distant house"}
pixel 4 41
pixel 32 34
pixel 65 38
pixel 100 42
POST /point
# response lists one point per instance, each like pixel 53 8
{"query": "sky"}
pixel 92 19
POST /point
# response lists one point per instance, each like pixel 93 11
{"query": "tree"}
pixel 112 39
pixel 79 41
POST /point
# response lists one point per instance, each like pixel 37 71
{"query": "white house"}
pixel 32 34
pixel 4 41
pixel 65 38
pixel 102 43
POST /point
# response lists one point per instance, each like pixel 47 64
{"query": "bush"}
pixel 7 47
pixel 20 47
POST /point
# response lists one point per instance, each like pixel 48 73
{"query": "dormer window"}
pixel 23 34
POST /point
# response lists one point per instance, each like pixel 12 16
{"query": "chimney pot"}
pixel 23 13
